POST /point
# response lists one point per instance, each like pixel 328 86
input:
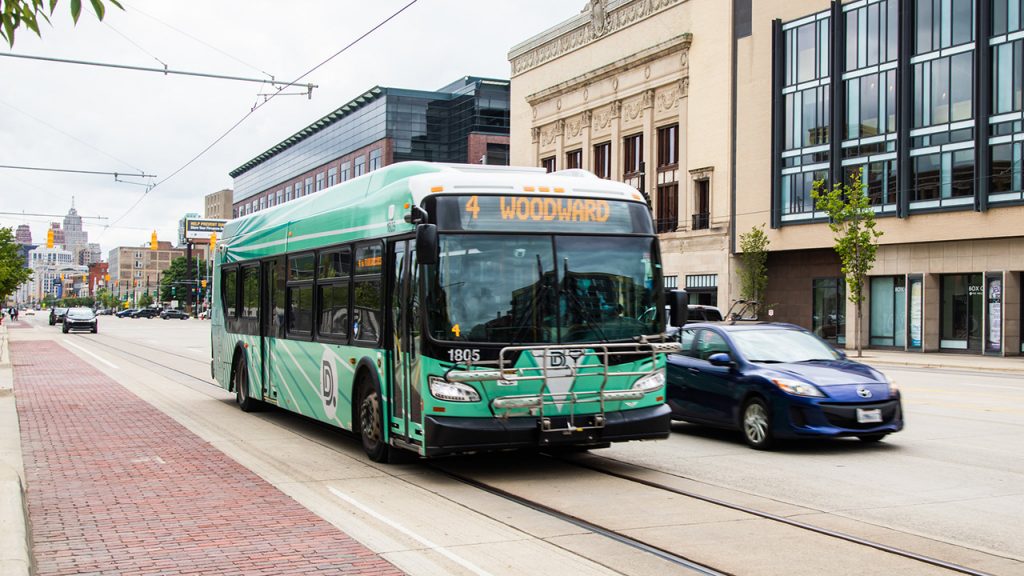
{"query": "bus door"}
pixel 271 322
pixel 404 356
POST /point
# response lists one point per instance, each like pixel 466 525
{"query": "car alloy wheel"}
pixel 757 430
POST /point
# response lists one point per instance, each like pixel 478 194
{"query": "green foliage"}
pixel 106 298
pixel 177 276
pixel 145 300
pixel 852 220
pixel 27 13
pixel 753 270
pixel 76 301
pixel 12 266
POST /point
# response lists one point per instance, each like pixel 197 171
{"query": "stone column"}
pixel 650 137
pixel 535 145
pixel 559 144
pixel 616 156
pixel 1011 313
pixel 587 159
pixel 930 310
pixel 685 192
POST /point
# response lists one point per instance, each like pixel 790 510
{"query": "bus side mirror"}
pixel 426 244
pixel 677 308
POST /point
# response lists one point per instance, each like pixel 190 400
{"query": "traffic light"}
pixel 173 291
pixel 153 245
pixel 49 238
pixel 203 283
pixel 213 242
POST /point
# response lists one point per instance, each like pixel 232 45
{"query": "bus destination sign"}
pixel 541 213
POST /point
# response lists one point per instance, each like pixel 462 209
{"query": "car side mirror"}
pixel 842 354
pixel 720 359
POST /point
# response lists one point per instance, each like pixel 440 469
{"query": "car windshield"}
pixel 775 345
pixel 80 313
pixel 543 289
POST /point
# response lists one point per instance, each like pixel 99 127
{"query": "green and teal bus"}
pixel 443 309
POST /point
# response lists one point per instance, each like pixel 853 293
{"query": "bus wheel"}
pixel 371 422
pixel 245 402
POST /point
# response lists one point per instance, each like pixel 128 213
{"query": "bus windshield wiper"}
pixel 527 319
pixel 573 299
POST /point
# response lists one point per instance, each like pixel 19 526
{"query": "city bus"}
pixel 440 309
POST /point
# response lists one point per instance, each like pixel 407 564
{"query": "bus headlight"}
pixel 452 391
pixel 651 382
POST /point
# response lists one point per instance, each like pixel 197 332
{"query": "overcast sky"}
pixel 55 115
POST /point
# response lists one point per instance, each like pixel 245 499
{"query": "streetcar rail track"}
pixel 597 528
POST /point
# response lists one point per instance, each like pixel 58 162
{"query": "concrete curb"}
pixel 15 559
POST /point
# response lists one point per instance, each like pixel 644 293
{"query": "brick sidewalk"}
pixel 117 487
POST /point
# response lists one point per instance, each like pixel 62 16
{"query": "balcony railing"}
pixel 701 221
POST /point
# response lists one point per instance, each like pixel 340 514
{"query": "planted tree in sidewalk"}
pixel 12 266
pixel 852 220
pixel 753 270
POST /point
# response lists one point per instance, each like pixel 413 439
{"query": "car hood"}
pixel 829 373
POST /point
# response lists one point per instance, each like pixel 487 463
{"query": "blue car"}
pixel 774 381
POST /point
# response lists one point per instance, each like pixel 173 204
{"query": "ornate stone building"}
pixel 609 91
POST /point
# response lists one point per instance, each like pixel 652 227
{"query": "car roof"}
pixel 743 325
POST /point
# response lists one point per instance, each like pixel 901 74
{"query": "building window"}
pixel 345 171
pixel 962 314
pixel 942 90
pixel 632 154
pixel 828 312
pixel 360 165
pixel 374 159
pixel 287 193
pixel 1007 163
pixel 806 101
pixel 548 163
pixel 332 176
pixel 319 181
pixel 943 23
pixel 497 154
pixel 280 196
pixel 603 160
pixel 946 178
pixel 702 289
pixel 574 159
pixel 888 317
pixel 668 146
pixel 263 202
pixel 309 186
pixel 701 204
pixel 666 218
pixel 1007 63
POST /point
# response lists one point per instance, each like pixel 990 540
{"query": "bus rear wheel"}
pixel 371 422
pixel 245 402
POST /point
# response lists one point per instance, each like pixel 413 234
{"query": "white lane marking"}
pixel 439 549
pixel 107 362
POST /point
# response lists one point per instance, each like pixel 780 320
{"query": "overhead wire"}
pixel 136 44
pixel 260 105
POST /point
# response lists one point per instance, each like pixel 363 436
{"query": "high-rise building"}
pixel 59 239
pixel 465 122
pixel 23 235
pixel 218 205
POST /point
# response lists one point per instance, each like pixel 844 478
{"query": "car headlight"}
pixel 452 391
pixel 651 382
pixel 893 388
pixel 797 388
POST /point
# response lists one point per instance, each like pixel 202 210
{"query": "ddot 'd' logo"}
pixel 328 385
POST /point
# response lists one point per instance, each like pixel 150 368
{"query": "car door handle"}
pixel 693 371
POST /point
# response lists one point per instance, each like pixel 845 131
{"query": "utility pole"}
pixel 188 277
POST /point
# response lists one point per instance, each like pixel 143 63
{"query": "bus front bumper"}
pixel 452 435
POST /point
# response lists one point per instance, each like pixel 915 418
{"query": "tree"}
pixel 12 265
pixel 15 13
pixel 753 270
pixel 145 300
pixel 852 220
pixel 177 276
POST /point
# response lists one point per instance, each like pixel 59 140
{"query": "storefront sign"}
pixel 995 315
pixel 915 313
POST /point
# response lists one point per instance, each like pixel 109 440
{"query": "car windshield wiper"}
pixel 815 360
pixel 765 361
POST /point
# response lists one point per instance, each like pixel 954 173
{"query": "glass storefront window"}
pixel 828 319
pixel 963 305
pixel 888 319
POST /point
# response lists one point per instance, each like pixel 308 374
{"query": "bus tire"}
pixel 241 384
pixel 371 420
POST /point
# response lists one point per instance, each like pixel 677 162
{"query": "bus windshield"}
pixel 543 289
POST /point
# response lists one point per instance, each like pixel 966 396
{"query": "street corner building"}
pixel 724 114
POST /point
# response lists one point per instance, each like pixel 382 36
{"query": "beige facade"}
pixel 218 205
pixel 134 268
pixel 626 68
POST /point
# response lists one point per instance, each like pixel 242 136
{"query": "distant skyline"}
pixel 90 118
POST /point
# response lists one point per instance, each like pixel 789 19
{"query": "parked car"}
pixel 104 312
pixel 694 313
pixel 773 380
pixel 57 315
pixel 171 313
pixel 146 313
pixel 126 313
pixel 80 319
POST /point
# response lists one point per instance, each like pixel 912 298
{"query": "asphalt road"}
pixel 951 485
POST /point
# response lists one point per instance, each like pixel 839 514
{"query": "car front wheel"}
pixel 757 424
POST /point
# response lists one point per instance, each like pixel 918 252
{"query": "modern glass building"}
pixel 466 121
pixel 725 114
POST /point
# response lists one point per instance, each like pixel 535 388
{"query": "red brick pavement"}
pixel 117 487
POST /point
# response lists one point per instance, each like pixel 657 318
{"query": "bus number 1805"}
pixel 464 355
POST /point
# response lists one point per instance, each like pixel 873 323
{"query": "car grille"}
pixel 845 415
